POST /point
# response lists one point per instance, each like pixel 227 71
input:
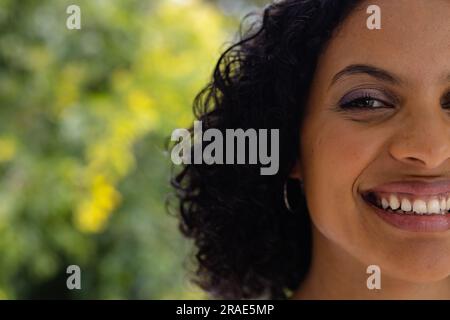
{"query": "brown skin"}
pixel 344 153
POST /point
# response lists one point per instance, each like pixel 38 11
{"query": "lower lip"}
pixel 412 222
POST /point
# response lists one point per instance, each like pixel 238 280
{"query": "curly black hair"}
pixel 248 244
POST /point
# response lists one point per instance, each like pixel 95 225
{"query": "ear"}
pixel 296 172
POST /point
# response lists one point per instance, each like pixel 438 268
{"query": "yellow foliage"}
pixel 93 213
pixel 82 100
pixel 3 295
pixel 138 101
pixel 68 91
pixel 143 109
pixel 110 158
pixel 8 148
pixel 176 60
pixel 39 58
pixel 122 80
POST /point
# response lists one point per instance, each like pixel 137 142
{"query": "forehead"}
pixel 413 42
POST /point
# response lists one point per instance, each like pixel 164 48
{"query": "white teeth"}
pixel 393 202
pixel 384 203
pixel 420 207
pixel 406 205
pixel 433 206
pixel 443 204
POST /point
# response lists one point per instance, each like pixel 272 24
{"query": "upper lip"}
pixel 414 187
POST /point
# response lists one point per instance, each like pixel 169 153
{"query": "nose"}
pixel 422 139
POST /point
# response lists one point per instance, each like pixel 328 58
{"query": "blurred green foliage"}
pixel 84 116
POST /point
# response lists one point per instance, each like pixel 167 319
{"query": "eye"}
pixel 446 101
pixel 364 100
pixel 364 103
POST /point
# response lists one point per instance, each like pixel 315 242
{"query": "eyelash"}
pixel 446 105
pixel 364 98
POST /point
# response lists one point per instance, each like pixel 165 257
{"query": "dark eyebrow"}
pixel 372 71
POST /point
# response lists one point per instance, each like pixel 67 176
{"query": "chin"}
pixel 418 267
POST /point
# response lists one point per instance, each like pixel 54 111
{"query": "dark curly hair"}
pixel 248 245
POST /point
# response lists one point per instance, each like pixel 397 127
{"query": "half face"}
pixel 375 140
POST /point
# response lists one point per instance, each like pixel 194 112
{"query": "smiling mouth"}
pixel 411 212
pixel 406 204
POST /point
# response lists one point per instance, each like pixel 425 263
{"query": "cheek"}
pixel 334 157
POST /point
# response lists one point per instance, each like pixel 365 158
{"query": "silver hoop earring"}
pixel 285 197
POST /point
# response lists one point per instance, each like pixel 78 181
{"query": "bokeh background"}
pixel 84 119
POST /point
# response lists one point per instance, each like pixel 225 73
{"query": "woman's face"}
pixel 378 113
